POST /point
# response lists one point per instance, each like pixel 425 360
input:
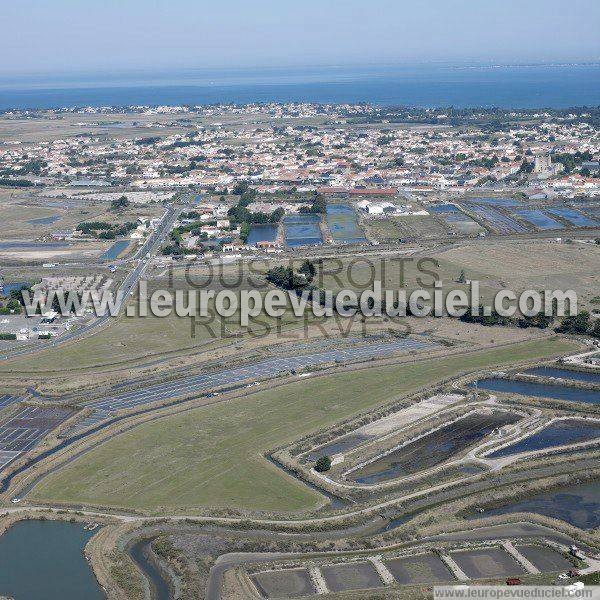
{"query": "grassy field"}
pixel 18 208
pixel 532 264
pixel 211 456
pixel 408 227
pixel 514 264
pixel 130 340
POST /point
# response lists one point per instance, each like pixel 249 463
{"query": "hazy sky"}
pixel 69 36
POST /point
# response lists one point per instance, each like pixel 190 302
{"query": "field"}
pixel 127 339
pixel 26 216
pixel 212 456
pixel 15 217
pixel 397 273
pixel 528 264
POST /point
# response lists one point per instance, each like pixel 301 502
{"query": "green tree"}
pixel 120 203
pixel 307 269
pixel 241 187
pixel 595 330
pixel 575 324
pixel 323 464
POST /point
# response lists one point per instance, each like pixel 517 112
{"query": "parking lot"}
pixel 260 370
pixel 22 430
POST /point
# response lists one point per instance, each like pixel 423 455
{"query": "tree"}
pixel 318 206
pixel 307 269
pixel 526 167
pixel 575 324
pixel 244 232
pixel 120 203
pixel 240 188
pixel 172 250
pixel 323 464
pixel 284 277
pixel 462 278
pixel 540 321
pixel 277 215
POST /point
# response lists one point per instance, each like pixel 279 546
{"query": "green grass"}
pixel 130 339
pixel 211 456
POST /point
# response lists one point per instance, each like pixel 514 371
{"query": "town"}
pixel 294 456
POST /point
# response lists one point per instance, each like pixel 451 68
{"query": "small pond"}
pixel 577 504
pixel 302 230
pixel 343 224
pixel 539 390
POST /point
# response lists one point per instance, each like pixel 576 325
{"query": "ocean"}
pixel 549 86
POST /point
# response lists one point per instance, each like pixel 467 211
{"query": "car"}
pixel 16 500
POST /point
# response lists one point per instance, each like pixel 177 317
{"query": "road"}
pixel 140 260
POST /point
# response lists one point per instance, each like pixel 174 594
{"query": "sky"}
pixel 58 38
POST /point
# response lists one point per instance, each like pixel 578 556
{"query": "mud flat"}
pixel 484 563
pixel 544 558
pixel 290 583
pixel 386 425
pixel 423 568
pixel 432 449
pixel 351 576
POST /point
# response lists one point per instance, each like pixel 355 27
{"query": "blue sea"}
pixel 552 86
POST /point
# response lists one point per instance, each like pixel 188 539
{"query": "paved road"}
pixel 150 246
